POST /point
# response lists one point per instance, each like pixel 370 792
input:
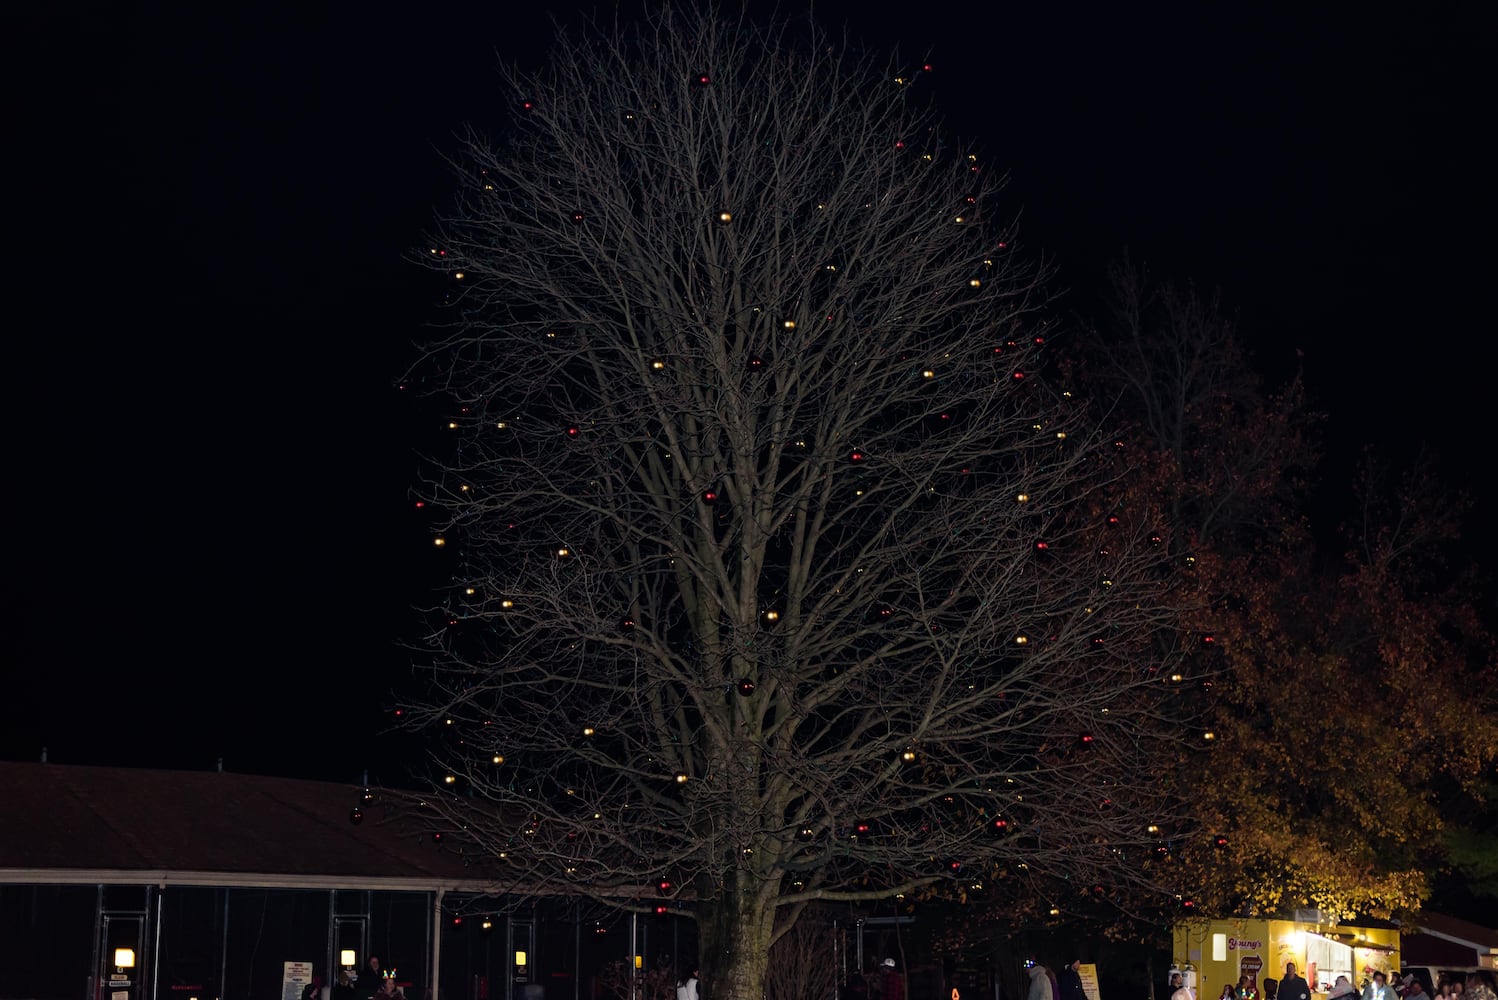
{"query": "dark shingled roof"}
pixel 67 820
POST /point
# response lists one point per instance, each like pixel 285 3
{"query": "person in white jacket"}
pixel 1040 982
pixel 1378 988
pixel 686 989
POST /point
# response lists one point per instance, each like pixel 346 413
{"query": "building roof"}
pixel 1485 938
pixel 66 823
pixel 1441 941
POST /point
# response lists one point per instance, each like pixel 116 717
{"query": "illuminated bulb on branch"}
pixel 908 756
pixel 439 541
pixel 499 758
pixel 681 779
pixel 657 365
pixel 563 552
pixel 725 216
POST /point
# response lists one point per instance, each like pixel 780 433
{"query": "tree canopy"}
pixel 787 568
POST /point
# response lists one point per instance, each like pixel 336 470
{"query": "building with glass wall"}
pixel 123 884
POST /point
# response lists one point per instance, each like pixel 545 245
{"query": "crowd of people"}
pixel 371 982
pixel 1477 986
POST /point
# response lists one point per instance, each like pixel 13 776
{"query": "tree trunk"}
pixel 736 928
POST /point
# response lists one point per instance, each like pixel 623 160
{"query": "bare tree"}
pixel 783 574
pixel 801 962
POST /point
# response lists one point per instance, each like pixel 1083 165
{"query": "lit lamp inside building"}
pixel 124 958
pixel 348 959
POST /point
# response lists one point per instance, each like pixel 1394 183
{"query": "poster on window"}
pixel 294 979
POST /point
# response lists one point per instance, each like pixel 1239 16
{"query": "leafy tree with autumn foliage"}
pixel 784 573
pixel 1349 703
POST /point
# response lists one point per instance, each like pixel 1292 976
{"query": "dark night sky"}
pixel 211 549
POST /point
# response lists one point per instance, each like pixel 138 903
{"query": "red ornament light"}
pixel 627 624
pixel 703 79
pixel 1087 737
pixel 856 456
pixel 578 217
pixel 899 143
pixel 710 496
pixel 861 829
pixel 573 432
pixel 437 838
pixel 1209 640
pixel 999 824
pixel 745 686
pixel 527 106
pixel 1042 547
pixel 1019 376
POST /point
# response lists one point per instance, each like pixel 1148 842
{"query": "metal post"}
pixel 436 941
pixel 634 972
pixel 156 944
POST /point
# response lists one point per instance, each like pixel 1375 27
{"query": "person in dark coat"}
pixel 1069 979
pixel 371 978
pixel 1293 987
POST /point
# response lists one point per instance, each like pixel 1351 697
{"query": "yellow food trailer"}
pixel 1212 954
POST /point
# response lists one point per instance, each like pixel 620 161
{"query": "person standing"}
pixel 371 978
pixel 1293 987
pixel 891 983
pixel 1070 979
pixel 1178 990
pixel 686 987
pixel 1414 989
pixel 1040 982
pixel 1379 989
